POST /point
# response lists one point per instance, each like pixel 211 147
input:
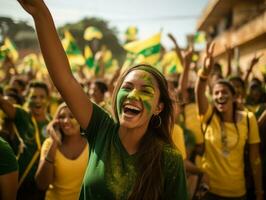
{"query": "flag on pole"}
pixel 74 54
pixel 147 50
pixel 91 33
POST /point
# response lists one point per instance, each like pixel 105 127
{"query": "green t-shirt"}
pixel 26 129
pixel 8 162
pixel 111 172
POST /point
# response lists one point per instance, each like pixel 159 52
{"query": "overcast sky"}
pixel 150 16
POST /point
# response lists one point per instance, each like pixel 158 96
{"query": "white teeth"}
pixel 132 107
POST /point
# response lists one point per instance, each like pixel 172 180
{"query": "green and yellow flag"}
pixel 147 50
pixel 170 63
pixel 91 33
pixel 9 49
pixel 89 57
pixel 131 34
pixel 74 54
pixel 200 37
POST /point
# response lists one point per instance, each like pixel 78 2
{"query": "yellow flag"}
pixel 131 34
pixel 8 48
pixel 92 32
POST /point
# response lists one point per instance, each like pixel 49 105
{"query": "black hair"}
pixel 101 85
pixel 238 79
pixel 227 84
pixel 38 84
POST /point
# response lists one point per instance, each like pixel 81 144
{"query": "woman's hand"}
pixel 208 60
pixel 31 6
pixel 54 132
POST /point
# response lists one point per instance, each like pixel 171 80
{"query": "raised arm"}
pixel 229 52
pixel 201 99
pixel 56 61
pixel 183 81
pixel 253 62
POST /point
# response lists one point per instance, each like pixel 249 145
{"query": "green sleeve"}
pixel 23 122
pixel 8 162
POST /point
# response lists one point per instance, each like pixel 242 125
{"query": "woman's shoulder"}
pixel 245 115
pixel 171 154
pixel 172 161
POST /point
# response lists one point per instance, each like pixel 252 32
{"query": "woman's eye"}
pixel 126 88
pixel 146 91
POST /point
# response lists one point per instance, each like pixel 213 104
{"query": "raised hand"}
pixel 255 60
pixel 188 56
pixel 31 6
pixel 54 132
pixel 208 60
pixel 177 49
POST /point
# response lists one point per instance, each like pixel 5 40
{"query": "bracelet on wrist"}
pixel 202 75
pixel 49 160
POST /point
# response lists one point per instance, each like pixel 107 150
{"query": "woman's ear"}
pixel 159 108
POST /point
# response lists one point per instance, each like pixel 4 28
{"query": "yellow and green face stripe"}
pixel 145 95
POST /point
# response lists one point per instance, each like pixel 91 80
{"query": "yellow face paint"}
pixel 145 94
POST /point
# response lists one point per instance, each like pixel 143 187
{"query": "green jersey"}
pixel 27 130
pixel 8 162
pixel 112 172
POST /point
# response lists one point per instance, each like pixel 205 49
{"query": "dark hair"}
pixel 227 84
pixel 238 79
pixel 38 84
pixel 101 85
pixel 19 81
pixel 149 182
pixel 16 96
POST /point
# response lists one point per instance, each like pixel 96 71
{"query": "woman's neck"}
pixel 131 138
pixel 73 139
pixel 228 116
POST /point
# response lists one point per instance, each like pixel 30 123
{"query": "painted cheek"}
pixel 121 95
pixel 74 122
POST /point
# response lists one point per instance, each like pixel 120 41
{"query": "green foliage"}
pixel 22 34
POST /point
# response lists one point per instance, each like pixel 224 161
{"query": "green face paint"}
pixel 144 95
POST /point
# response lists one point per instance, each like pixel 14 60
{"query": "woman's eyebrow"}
pixel 148 86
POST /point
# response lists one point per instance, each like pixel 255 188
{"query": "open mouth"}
pixel 131 110
pixel 221 101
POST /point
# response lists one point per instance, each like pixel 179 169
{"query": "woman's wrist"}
pixel 203 75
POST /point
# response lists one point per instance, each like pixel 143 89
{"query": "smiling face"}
pixel 223 98
pixel 37 100
pixel 68 124
pixel 138 99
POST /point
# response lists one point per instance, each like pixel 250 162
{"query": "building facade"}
pixel 240 24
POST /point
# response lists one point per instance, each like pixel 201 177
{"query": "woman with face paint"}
pixel 226 131
pixel 131 156
pixel 64 152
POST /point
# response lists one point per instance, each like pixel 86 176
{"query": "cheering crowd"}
pixel 144 133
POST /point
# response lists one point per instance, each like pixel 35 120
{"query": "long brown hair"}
pixel 149 182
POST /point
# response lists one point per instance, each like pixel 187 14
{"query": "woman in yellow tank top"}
pixel 64 158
